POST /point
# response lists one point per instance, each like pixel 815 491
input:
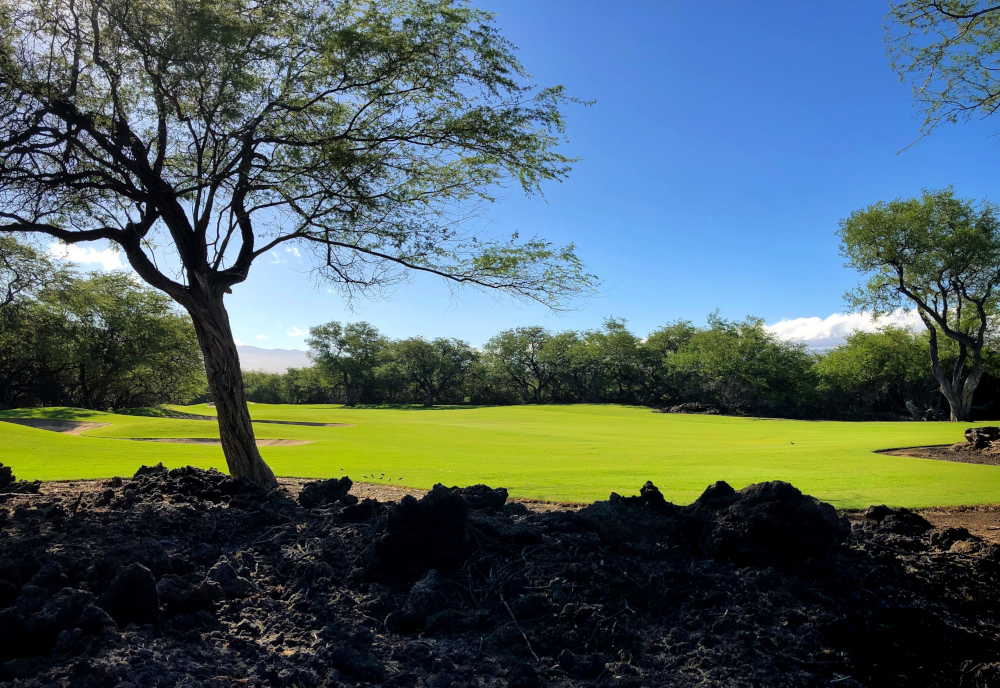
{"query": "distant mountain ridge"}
pixel 271 360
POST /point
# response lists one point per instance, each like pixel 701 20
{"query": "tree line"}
pixel 737 367
pixel 97 341
pixel 103 341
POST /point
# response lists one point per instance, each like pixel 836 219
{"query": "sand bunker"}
pixel 67 427
pixel 214 441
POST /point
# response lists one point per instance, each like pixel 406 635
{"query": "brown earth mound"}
pixel 68 427
pixel 982 446
pixel 962 452
pixel 191 578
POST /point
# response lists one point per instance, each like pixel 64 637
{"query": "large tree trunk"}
pixel 958 388
pixel 225 380
pixel 969 389
pixel 959 393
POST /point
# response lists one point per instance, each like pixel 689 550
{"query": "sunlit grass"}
pixel 563 453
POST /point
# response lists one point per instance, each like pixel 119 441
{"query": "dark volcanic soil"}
pixel 191 578
pixel 963 452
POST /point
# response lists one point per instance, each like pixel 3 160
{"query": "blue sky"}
pixel 726 141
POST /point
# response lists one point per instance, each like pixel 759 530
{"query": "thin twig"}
pixel 518 627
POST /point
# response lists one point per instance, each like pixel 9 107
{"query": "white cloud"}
pixel 109 259
pixel 823 333
pixel 239 342
pixel 262 336
pixel 294 251
pixel 295 332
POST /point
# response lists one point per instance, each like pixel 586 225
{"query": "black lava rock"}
pixel 483 497
pixel 774 524
pixel 365 510
pixel 420 535
pixel 232 585
pixel 6 477
pixel 898 521
pixel 946 537
pixel 132 597
pixel 428 596
pixel 66 610
pixel 980 438
pixel 323 492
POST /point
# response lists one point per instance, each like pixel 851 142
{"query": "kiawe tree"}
pixel 433 367
pixel 198 135
pixel 940 255
pixel 950 51
pixel 349 354
pixel 22 271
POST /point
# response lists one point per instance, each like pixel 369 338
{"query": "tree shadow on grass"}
pixel 52 413
pixel 409 407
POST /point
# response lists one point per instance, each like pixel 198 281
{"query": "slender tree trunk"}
pixel 225 380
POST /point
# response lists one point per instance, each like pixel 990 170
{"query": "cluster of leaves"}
pixel 365 132
pixel 948 50
pixel 740 367
pixel 97 341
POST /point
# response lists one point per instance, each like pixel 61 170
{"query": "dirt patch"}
pixel 963 452
pixel 982 520
pixel 67 427
pixel 189 577
pixel 71 489
pixel 214 442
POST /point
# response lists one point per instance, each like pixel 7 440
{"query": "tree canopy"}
pixel 98 341
pixel 199 135
pixel 23 271
pixel 950 51
pixel 940 255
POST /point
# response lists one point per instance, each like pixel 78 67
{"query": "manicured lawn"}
pixel 564 453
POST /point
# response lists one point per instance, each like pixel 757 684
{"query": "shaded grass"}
pixel 560 453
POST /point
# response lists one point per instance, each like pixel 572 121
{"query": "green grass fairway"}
pixel 561 453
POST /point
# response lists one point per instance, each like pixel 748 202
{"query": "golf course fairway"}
pixel 575 453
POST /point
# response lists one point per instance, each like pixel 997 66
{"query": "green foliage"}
pixel 937 252
pixel 517 355
pixel 295 386
pixel 350 353
pixel 129 347
pixel 877 372
pixel 950 51
pixel 98 342
pixel 742 367
pixel 739 366
pixel 435 368
pixel 941 255
pixel 23 271
pixel 372 128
